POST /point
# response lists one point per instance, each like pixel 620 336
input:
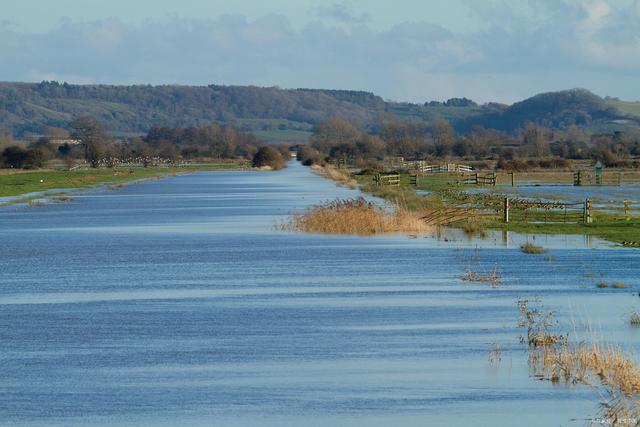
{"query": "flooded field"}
pixel 568 192
pixel 178 302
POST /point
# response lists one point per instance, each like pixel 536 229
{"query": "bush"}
pixel 14 156
pixel 268 157
pixel 309 156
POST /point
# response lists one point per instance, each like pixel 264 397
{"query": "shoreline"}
pixel 609 230
pixel 54 186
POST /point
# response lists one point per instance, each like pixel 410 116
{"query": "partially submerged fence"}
pixel 581 178
pixel 589 211
pixel 621 209
pixel 507 209
pixel 540 211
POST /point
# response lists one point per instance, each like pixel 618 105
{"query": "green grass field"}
pixel 15 183
pixel 607 226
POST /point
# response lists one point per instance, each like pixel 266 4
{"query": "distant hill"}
pixel 29 107
pixel 557 110
pixel 282 114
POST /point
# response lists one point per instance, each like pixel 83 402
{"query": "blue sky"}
pixel 488 50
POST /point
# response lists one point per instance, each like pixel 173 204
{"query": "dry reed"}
pixel 495 355
pixel 356 217
pixel 340 177
pixel 603 366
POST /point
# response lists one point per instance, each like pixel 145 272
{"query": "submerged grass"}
pixel 603 366
pixel 492 277
pixel 530 248
pixel 356 217
pixel 474 228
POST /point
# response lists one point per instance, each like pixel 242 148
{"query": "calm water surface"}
pixel 177 302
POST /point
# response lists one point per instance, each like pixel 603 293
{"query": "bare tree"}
pixel 92 136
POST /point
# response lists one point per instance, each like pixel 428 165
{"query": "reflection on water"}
pixel 177 302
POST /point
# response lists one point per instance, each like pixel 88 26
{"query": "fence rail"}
pixel 625 208
pixel 387 179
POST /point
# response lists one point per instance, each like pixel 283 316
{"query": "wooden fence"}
pixel 459 178
pixel 387 179
pixel 422 166
pixel 539 211
pixel 508 209
pixel 581 178
pixel 487 179
pixel 622 209
pixel 449 167
pixel 589 211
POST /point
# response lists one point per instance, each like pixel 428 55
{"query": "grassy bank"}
pixel 16 183
pixel 445 199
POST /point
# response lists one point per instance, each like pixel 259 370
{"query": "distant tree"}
pixel 536 140
pixel 334 131
pixel 460 102
pixel 93 136
pixel 36 158
pixel 370 147
pixel 443 137
pixel 405 139
pixel 309 156
pixel 268 156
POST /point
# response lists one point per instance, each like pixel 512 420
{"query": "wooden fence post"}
pixel 587 211
pixel 506 210
pixel 626 210
pixel 513 179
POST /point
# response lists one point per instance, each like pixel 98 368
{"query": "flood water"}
pixel 178 302
pixel 568 192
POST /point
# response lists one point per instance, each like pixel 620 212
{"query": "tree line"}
pixel 337 139
pixel 88 140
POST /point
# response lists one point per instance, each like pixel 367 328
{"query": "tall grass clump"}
pixel 530 248
pixel 355 216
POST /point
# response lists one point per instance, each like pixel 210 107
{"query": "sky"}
pixel 403 50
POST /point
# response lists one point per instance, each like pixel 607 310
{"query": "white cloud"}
pixel 550 45
pixel 342 12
